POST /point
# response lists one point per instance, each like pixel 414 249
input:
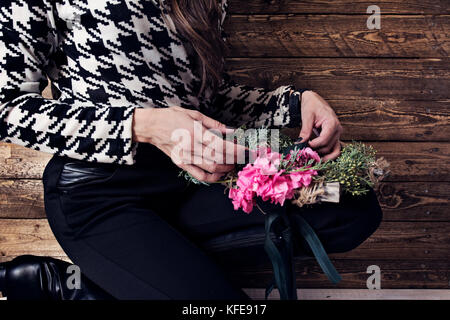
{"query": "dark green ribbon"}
pixel 281 255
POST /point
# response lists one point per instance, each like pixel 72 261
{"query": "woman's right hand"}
pixel 160 127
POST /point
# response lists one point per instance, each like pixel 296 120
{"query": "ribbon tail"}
pixel 317 248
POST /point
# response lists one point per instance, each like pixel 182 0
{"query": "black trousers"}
pixel 136 230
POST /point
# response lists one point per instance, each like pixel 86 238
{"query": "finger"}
pixel 201 174
pixel 335 153
pixel 307 126
pixel 206 160
pixel 210 123
pixel 224 151
pixel 327 149
pixel 216 156
pixel 210 165
pixel 326 135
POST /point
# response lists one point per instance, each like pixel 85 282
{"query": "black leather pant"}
pixel 139 231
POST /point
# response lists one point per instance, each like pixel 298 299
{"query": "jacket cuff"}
pixel 295 115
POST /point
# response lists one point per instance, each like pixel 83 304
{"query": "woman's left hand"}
pixel 317 113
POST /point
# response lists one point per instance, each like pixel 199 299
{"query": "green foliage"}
pixel 187 176
pixel 351 168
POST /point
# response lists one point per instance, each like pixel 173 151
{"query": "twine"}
pixel 309 194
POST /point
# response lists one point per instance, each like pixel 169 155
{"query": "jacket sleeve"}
pixel 254 107
pixel 238 104
pixel 28 38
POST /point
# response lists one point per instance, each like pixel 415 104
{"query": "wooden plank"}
pixel 339 6
pixel 22 198
pixel 27 236
pixel 353 294
pixel 401 201
pixel 403 240
pixel 415 161
pixel 20 162
pixel 349 78
pixel 9 258
pixel 415 201
pixel 337 36
pixel 412 161
pixel 370 119
pixel 395 274
pixel 387 120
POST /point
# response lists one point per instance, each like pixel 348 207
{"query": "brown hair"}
pixel 198 22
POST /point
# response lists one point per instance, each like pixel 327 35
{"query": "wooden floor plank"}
pixel 415 201
pixel 393 120
pixel 349 78
pixel 338 6
pixel 291 35
pixel 24 236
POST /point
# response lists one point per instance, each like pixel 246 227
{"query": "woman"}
pixel 127 74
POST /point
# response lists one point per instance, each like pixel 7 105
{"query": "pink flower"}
pixel 301 178
pixel 268 166
pixel 306 154
pixel 265 179
pixel 241 199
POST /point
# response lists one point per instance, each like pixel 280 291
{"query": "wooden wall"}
pixel 389 87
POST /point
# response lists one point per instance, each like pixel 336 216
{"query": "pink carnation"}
pixel 264 179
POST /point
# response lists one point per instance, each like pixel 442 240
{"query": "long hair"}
pixel 198 22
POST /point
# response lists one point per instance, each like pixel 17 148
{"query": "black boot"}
pixel 44 278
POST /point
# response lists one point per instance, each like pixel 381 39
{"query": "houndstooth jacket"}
pixel 106 58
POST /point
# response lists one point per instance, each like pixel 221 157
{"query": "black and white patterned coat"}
pixel 106 58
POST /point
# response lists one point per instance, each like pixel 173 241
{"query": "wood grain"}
pixel 415 201
pixel 371 119
pixel 338 6
pixel 26 236
pixel 395 274
pixel 401 201
pixel 337 36
pixel 21 198
pixel 349 78
pixel 21 162
pixel 405 240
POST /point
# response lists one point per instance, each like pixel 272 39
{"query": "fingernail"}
pixel 229 129
pixel 299 140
